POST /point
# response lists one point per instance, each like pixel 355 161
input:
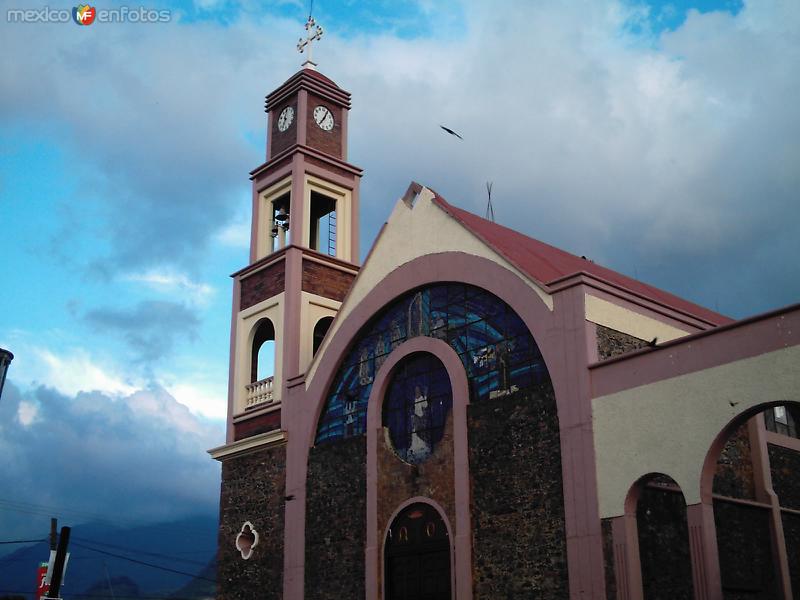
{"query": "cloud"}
pixel 168 281
pixel 672 156
pixel 71 372
pixel 134 458
pixel 151 328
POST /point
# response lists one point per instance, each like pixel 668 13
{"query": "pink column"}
pixel 627 564
pixel 704 554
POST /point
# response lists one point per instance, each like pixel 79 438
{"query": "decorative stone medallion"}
pixel 246 540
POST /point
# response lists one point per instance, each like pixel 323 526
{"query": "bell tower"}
pixel 303 248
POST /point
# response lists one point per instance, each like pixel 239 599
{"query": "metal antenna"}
pixel 489 207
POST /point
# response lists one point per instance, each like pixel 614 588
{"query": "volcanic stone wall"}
pixel 519 539
pixel 664 545
pixel 745 558
pixel 608 559
pixel 734 473
pixel 336 517
pixel 611 343
pixel 252 490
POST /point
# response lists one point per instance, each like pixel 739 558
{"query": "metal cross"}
pixel 310 37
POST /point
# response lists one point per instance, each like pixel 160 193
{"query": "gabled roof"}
pixel 547 264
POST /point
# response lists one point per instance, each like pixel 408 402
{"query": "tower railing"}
pixel 259 392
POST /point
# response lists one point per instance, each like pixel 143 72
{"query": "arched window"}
pixel 320 329
pixel 418 400
pixel 262 363
pixel 499 355
pixel 417 555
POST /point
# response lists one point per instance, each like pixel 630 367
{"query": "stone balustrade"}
pixel 259 392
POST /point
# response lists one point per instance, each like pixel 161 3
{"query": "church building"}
pixel 472 413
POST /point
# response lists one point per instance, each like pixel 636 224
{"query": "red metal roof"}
pixel 547 264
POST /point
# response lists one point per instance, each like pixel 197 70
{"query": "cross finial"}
pixel 314 33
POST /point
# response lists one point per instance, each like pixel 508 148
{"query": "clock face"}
pixel 324 118
pixel 286 118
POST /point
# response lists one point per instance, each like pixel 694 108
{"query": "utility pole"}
pixel 58 565
pixel 53 533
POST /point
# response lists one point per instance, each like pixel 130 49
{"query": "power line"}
pixel 138 551
pixel 22 541
pixel 141 562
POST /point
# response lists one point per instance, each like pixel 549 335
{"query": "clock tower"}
pixel 303 252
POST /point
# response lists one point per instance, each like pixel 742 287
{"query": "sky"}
pixel 661 139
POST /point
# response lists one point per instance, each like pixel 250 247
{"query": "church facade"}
pixel 472 413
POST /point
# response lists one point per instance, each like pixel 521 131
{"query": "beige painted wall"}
pixel 628 321
pixel 411 233
pixel 245 331
pixel 312 309
pixel 667 427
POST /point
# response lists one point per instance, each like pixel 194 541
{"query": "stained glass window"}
pixel 498 353
pixel 417 402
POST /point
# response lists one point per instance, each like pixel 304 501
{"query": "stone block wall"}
pixel 611 343
pixel 252 490
pixel 336 517
pixel 734 474
pixel 664 544
pixel 519 539
pixel 785 467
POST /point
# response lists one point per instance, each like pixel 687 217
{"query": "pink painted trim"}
pixel 291 316
pixel 776 439
pixel 355 222
pixel 254 221
pixel 378 594
pixel 305 150
pixel 461 543
pixel 235 303
pixel 696 352
pixel 627 562
pixel 706 579
pixel 269 178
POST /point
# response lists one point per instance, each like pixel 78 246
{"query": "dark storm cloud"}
pixel 127 460
pixel 151 328
pixel 673 158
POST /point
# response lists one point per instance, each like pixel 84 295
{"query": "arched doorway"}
pixel 417 555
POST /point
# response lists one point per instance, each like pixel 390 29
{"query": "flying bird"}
pixel 451 132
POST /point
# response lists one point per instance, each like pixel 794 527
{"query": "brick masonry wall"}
pixel 329 142
pixel 262 284
pixel 611 343
pixel 785 467
pixel 260 424
pixel 326 281
pixel 398 481
pixel 608 559
pixel 336 517
pixel 664 545
pixel 745 558
pixel 734 474
pixel 280 141
pixel 252 490
pixel 791 532
pixel 519 535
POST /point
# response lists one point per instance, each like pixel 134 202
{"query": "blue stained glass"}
pixel 495 347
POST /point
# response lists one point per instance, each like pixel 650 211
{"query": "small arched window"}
pixel 320 329
pixel 263 354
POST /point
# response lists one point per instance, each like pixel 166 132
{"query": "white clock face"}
pixel 286 118
pixel 324 118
